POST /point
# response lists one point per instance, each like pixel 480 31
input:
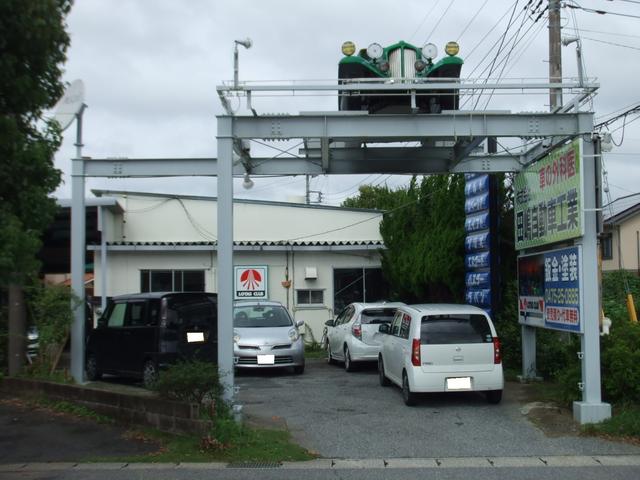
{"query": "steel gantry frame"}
pixel 359 143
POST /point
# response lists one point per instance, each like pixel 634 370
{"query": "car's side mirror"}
pixel 299 323
pixel 384 328
pixel 329 323
pixel 102 322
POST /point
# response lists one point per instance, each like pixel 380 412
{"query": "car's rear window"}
pixel 261 316
pixel 454 328
pixel 377 315
pixel 193 310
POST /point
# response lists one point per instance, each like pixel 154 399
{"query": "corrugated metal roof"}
pixel 253 243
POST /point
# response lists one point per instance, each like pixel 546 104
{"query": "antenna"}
pixel 70 105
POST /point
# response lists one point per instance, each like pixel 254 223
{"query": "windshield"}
pixel 261 316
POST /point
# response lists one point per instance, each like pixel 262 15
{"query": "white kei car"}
pixel 441 348
pixel 353 336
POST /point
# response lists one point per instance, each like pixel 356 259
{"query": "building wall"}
pixel 149 219
pixel 625 244
pixel 123 274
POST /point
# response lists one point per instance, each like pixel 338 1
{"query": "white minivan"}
pixel 441 348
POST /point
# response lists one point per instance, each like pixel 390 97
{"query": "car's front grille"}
pixel 281 347
pixel 248 347
pixel 395 63
pixel 279 360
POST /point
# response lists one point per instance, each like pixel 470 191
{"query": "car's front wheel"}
pixel 330 359
pixel 384 381
pixel 407 395
pixel 298 369
pixel 149 373
pixel 93 372
pixel 348 363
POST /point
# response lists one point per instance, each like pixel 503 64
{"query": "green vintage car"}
pixel 401 62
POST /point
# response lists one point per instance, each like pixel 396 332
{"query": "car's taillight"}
pixel 497 352
pixel 356 331
pixel 415 352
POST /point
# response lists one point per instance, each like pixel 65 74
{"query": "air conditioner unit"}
pixel 310 273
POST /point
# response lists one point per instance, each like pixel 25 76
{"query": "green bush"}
pixel 191 381
pixel 508 328
pixel 620 358
pixel 51 309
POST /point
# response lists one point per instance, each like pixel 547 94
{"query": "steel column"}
pixel 78 247
pixel 225 256
pixel 591 409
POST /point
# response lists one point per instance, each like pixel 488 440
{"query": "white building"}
pixel 315 259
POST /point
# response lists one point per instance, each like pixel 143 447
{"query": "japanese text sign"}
pixel 548 198
pixel 549 289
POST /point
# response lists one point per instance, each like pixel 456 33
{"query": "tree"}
pixel 423 232
pixel 33 44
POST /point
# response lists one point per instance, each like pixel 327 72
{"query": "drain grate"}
pixel 254 465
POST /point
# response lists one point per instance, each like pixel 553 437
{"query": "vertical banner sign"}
pixel 250 282
pixel 550 289
pixel 480 248
pixel 548 198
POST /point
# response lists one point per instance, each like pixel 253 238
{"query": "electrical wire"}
pixel 612 43
pixel 439 20
pixel 599 12
pixel 606 33
pixel 471 21
pixel 424 19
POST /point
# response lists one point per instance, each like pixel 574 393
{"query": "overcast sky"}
pixel 151 68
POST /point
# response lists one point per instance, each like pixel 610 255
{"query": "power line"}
pixel 486 35
pixel 439 20
pixel 471 21
pixel 600 12
pixel 611 43
pixel 604 33
pixel 424 20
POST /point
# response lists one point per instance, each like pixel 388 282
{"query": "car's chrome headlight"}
pixel 236 336
pixel 375 51
pixel 294 334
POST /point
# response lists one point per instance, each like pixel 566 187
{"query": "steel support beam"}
pixel 399 128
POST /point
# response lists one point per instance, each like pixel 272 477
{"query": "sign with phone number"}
pixel 549 289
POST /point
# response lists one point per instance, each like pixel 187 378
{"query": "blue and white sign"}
pixel 473 223
pixel 478 242
pixel 478 280
pixel 550 289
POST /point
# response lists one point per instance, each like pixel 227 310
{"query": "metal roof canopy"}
pixel 336 143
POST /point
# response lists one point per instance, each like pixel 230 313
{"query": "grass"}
pixel 624 424
pixel 227 442
pixel 314 350
pixel 249 445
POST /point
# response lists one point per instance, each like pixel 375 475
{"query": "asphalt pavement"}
pixel 349 415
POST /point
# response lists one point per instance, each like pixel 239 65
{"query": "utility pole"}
pixel 555 54
pixel 307 195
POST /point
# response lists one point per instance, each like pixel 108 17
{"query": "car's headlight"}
pixel 374 51
pixel 383 66
pixel 348 48
pixel 294 334
pixel 452 48
pixel 429 51
pixel 236 336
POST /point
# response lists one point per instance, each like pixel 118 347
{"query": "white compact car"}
pixel 441 348
pixel 353 336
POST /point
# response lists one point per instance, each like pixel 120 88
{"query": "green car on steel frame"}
pixel 402 62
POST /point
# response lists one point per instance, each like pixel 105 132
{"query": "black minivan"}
pixel 139 334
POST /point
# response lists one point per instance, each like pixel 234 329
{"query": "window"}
pixel 358 285
pixel 116 316
pixel 310 297
pixel 171 281
pixel 448 329
pixel 137 314
pixel 606 246
pixel 405 326
pixel 395 326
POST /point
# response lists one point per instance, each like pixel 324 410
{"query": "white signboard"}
pixel 250 282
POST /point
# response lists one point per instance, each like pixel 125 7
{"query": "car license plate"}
pixel 266 359
pixel 461 383
pixel 195 337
